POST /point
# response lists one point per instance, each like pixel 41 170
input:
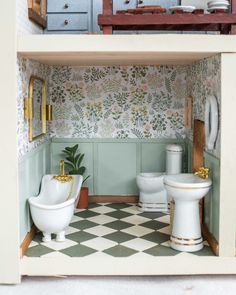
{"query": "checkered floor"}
pixel 118 230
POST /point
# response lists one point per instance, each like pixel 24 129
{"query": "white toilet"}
pixel 153 195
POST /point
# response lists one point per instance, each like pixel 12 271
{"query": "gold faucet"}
pixel 62 167
pixel 203 172
pixel 63 177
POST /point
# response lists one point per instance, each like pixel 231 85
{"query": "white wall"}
pixel 197 3
pixel 24 25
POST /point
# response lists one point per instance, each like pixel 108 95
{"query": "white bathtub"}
pixel 53 209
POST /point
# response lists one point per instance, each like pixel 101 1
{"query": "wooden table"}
pixel 225 23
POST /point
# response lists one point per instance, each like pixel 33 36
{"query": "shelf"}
pixel 223 22
pixel 179 22
pixel 123 49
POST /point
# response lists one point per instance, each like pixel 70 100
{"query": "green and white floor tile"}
pixel 115 230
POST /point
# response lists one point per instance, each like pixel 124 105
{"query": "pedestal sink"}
pixel 186 190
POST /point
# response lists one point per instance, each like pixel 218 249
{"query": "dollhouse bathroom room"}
pixel 121 145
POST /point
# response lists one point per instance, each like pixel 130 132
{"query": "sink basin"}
pixel 187 180
pixel 186 186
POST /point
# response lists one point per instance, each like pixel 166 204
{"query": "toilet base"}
pixel 153 202
pixel 186 245
pixel 152 207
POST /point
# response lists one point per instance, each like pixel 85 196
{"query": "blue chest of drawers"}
pixel 69 16
pixel 80 16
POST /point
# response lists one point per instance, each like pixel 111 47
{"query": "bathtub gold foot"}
pixel 46 237
pixel 60 237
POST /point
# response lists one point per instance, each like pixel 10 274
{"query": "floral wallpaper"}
pixel 203 79
pixel 118 101
pixel 26 68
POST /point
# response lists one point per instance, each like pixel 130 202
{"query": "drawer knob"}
pixel 66 6
pixel 66 22
pixel 127 2
pixel 140 1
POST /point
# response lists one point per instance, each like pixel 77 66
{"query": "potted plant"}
pixel 73 164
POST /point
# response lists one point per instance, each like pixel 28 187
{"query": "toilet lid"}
pixel 152 175
pixel 174 148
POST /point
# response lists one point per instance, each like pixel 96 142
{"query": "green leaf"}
pixel 66 152
pixel 74 148
pixel 81 170
pixel 69 165
pixel 86 179
pixel 73 172
pixel 69 149
pixel 80 160
pixel 71 159
pixel 76 159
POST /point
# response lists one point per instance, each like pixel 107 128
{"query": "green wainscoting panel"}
pixel 116 169
pixel 114 163
pixel 84 147
pixel 153 157
pixel 212 200
pixel 24 189
pixel 31 167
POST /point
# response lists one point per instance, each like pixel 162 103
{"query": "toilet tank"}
pixel 174 154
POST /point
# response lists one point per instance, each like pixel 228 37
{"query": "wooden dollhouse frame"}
pixel 85 50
